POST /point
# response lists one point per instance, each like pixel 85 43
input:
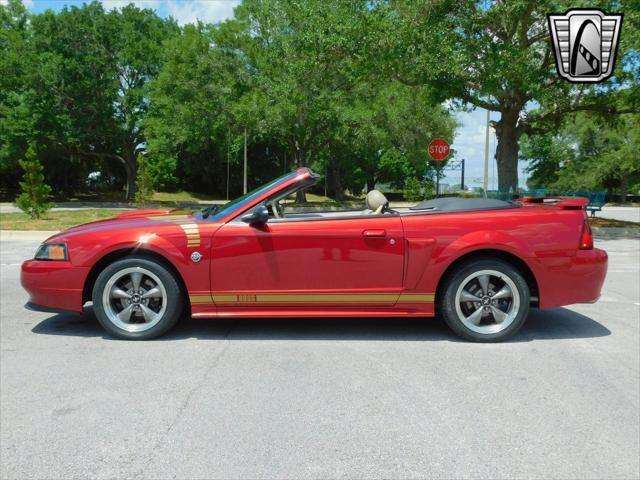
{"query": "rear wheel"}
pixel 137 299
pixel 485 300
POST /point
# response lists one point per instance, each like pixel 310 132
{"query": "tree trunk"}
pixel 371 181
pixel 131 167
pixel 299 158
pixel 336 180
pixel 130 186
pixel 507 150
pixel 624 188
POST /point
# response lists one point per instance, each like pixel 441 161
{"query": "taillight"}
pixel 586 239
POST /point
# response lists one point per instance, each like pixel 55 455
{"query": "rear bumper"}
pixel 56 286
pixel 41 308
pixel 569 280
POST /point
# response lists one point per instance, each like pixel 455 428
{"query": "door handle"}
pixel 374 233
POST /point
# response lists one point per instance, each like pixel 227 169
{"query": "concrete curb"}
pixel 35 235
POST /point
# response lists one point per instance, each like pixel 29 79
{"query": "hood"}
pixel 132 219
pixel 147 213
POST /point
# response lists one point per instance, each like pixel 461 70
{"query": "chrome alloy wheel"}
pixel 134 299
pixel 487 301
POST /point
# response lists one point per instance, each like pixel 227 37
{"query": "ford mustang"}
pixel 480 264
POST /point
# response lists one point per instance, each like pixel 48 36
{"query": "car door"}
pixel 331 262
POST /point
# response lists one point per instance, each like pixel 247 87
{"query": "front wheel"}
pixel 485 300
pixel 137 299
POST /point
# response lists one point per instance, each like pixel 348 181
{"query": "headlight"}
pixel 52 251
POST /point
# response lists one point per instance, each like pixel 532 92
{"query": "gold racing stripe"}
pixel 340 298
pixel 192 232
pixel 174 217
pixel 416 298
pixel 200 299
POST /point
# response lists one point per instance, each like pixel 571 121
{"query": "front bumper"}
pixel 569 280
pixel 53 284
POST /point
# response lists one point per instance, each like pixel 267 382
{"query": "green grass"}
pixel 53 220
pixel 608 223
pixel 182 196
pixel 92 197
pixel 179 196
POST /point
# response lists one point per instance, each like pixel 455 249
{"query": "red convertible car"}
pixel 478 263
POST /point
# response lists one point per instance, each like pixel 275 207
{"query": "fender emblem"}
pixel 196 257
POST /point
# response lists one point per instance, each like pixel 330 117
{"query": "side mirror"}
pixel 259 216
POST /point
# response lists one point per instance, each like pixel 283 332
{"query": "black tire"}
pixel 452 283
pixel 164 320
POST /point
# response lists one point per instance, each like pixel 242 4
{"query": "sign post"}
pixel 438 150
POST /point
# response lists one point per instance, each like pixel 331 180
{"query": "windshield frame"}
pixel 248 200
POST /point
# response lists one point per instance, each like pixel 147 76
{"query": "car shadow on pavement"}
pixel 559 323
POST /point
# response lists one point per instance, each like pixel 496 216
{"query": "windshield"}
pixel 240 202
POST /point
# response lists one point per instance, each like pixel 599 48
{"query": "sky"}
pixel 184 11
pixel 470 136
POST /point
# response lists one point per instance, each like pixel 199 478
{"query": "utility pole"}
pixel 228 158
pixel 462 176
pixel 244 175
pixel 485 183
pixel 326 175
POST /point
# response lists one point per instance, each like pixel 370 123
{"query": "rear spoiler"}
pixel 564 203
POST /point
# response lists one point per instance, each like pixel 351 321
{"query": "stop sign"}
pixel 438 149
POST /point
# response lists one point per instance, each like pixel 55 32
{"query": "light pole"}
pixel 228 158
pixel 244 174
pixel 485 183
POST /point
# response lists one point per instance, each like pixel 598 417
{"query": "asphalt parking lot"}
pixel 313 398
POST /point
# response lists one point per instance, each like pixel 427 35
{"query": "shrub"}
pixel 144 182
pixel 413 191
pixel 34 199
pixel 429 189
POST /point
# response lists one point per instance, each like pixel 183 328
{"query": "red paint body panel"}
pixel 54 284
pixel 545 238
pixel 318 256
pixel 369 265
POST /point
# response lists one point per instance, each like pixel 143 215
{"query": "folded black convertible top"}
pixel 456 204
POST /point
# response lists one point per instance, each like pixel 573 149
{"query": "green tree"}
pixel 413 191
pixel 498 56
pixel 387 126
pixel 587 154
pixel 144 182
pixel 70 91
pixel 138 52
pixel 75 87
pixel 191 126
pixel 16 124
pixel 34 199
pixel 301 71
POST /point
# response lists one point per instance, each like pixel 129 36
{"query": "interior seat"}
pixel 376 202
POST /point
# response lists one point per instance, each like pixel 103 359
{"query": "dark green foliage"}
pixel 355 90
pixel 587 155
pixel 34 198
pixel 413 190
pixel 144 182
pixel 72 83
pixel 498 56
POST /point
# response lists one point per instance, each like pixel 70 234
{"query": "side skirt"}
pixel 301 313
